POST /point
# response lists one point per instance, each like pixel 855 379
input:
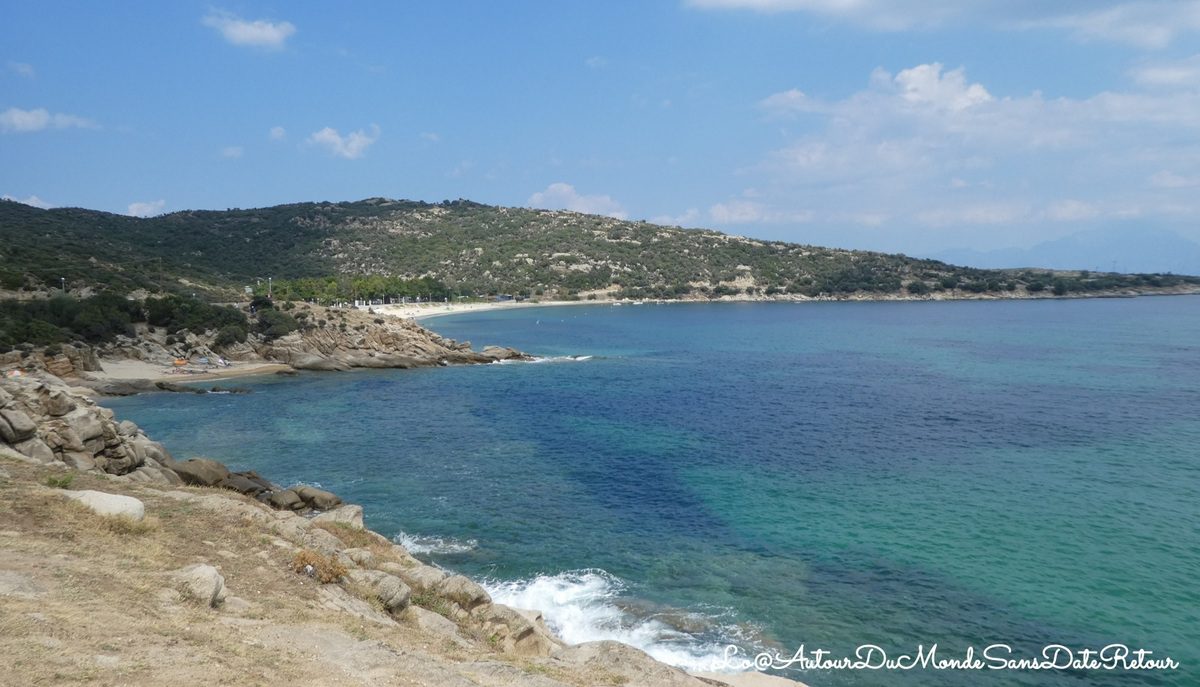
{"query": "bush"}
pixel 230 334
pixel 273 324
pixel 918 288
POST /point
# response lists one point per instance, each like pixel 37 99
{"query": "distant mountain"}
pixel 471 249
pixel 1107 250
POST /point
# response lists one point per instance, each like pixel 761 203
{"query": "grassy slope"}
pixel 473 248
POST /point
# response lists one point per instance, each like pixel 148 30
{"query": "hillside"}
pixel 475 249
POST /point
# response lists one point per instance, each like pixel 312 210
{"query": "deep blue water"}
pixel 833 474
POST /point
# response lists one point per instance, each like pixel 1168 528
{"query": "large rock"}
pixel 111 505
pixel 16 426
pixel 464 593
pixel 285 499
pixel 624 663
pixel 248 483
pixel 420 577
pixel 37 449
pixel 203 472
pixel 350 515
pixel 318 499
pixel 518 632
pixel 56 403
pixel 79 460
pixel 85 423
pixel 202 583
pixel 389 589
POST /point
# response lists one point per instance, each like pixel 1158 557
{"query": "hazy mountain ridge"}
pixel 1110 249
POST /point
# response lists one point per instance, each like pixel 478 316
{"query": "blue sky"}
pixel 903 125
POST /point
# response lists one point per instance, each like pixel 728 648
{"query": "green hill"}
pixel 474 249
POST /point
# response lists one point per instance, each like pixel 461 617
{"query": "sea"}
pixel 851 481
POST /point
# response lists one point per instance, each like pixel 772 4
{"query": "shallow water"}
pixel 773 475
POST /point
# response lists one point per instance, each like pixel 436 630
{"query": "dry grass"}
pixel 325 569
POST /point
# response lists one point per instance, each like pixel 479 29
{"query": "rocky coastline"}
pixel 51 429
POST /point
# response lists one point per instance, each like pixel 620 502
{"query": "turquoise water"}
pixel 774 475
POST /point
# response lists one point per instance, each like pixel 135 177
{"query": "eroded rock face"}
pixel 42 418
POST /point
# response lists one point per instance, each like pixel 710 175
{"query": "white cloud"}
pixel 232 152
pixel 788 102
pixel 431 137
pixel 562 196
pixel 980 213
pixel 277 133
pixel 1150 24
pixel 903 147
pixel 16 120
pixel 1071 211
pixel 22 69
pixel 754 212
pixel 1169 179
pixel 31 200
pixel 595 62
pixel 688 218
pixel 1143 23
pixel 925 84
pixel 1177 74
pixel 147 208
pixel 351 146
pixel 259 33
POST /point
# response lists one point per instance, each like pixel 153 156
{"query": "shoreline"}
pixel 426 311
pixel 129 370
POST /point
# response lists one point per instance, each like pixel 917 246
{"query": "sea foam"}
pixel 589 605
pixel 420 544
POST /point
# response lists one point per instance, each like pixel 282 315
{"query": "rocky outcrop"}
pixel 44 419
pixel 368 340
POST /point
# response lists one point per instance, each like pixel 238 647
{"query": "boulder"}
pixel 79 460
pixel 518 633
pixel 203 583
pixel 624 663
pixel 111 505
pixel 285 499
pixel 16 426
pixel 318 499
pixel 389 589
pixel 350 515
pixel 362 558
pixel 57 403
pixel 244 484
pixel 87 425
pixel 463 592
pixel 37 449
pixel 421 577
pixel 127 428
pixel 203 472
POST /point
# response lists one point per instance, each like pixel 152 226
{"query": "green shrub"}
pixel 230 334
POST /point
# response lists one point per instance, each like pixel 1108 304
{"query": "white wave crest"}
pixel 548 359
pixel 425 544
pixel 583 606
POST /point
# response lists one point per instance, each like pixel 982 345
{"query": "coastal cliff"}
pixel 150 358
pixel 160 570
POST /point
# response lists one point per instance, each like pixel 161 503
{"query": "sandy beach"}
pixel 424 311
pixel 140 369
